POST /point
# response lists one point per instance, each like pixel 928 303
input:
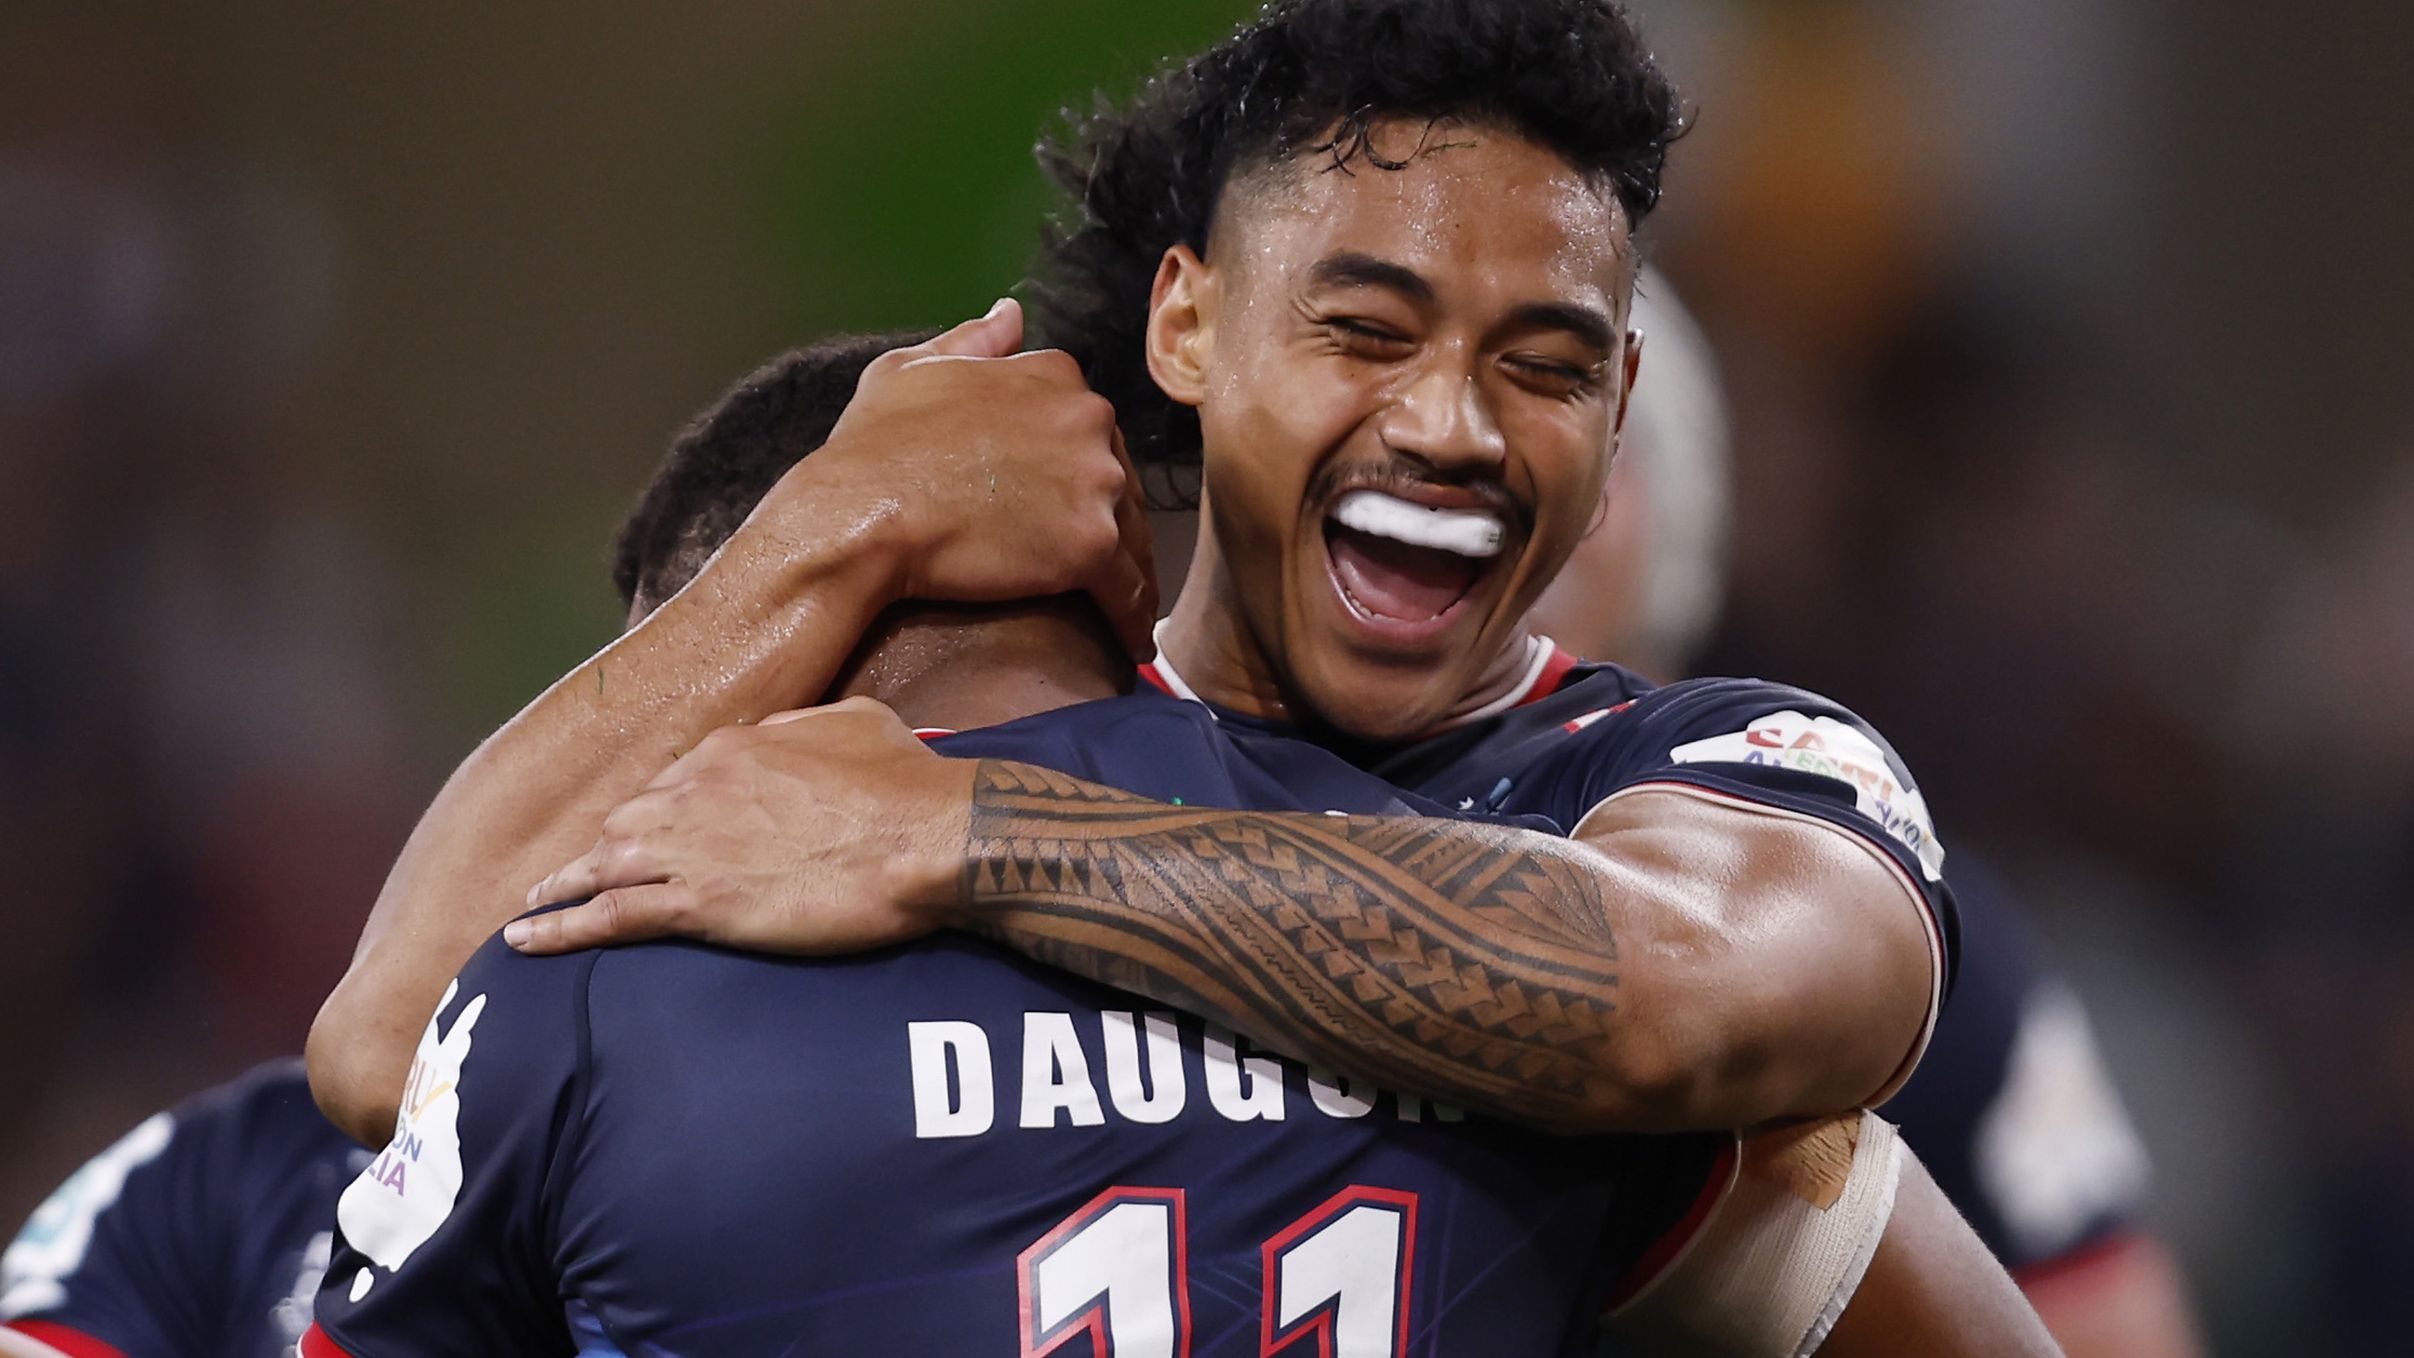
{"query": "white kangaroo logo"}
pixel 406 1193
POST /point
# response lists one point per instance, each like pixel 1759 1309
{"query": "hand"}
pixel 1004 468
pixel 827 830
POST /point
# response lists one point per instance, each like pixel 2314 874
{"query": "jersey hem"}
pixel 1662 1256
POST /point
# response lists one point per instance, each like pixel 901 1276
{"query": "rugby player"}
pixel 201 1233
pixel 1371 263
pixel 1429 326
pixel 721 1153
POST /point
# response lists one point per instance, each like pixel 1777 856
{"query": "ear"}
pixel 1634 364
pixel 1181 325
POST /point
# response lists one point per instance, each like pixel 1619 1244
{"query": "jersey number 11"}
pixel 1118 1269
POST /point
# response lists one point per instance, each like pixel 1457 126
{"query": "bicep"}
pixel 1807 962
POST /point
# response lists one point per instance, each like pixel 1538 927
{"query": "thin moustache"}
pixel 1419 485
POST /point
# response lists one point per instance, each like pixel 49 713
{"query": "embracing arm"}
pixel 536 789
pixel 1684 963
pixel 925 489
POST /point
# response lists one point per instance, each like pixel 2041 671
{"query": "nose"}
pixel 1441 417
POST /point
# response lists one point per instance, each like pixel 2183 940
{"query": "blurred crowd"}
pixel 2090 495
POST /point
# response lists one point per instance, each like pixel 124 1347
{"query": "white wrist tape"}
pixel 1770 1271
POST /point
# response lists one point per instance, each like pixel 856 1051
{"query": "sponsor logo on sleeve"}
pixel 1837 750
pixel 406 1193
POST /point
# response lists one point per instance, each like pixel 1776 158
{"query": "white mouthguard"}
pixel 1466 532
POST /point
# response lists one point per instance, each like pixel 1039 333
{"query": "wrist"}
pixel 834 525
pixel 937 863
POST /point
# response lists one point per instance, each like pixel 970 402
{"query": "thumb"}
pixel 994 335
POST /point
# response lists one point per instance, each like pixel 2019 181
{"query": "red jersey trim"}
pixel 73 1343
pixel 1663 1253
pixel 316 1344
pixel 2086 1265
pixel 1554 673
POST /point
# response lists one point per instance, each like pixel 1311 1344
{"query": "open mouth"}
pixel 1403 567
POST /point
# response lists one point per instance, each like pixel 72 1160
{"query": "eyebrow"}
pixel 1585 323
pixel 1355 269
pixel 1352 269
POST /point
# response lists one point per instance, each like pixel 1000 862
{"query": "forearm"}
pixel 1933 1290
pixel 1679 980
pixel 1458 959
pixel 764 628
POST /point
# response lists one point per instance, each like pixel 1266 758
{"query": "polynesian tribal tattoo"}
pixel 1451 958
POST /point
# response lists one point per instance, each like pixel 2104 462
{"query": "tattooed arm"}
pixel 1682 963
pixel 1588 984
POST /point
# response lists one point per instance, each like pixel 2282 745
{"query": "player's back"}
pixel 943 1149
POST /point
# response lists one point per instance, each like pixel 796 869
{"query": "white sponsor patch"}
pixel 1466 532
pixel 405 1194
pixel 1831 749
pixel 2055 1150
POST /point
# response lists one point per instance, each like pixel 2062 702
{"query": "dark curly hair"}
pixel 1311 77
pixel 724 461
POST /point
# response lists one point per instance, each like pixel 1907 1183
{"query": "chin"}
pixel 1379 705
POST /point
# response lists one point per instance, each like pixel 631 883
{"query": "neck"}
pixel 957 667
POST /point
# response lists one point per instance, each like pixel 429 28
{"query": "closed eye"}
pixel 1554 377
pixel 1368 339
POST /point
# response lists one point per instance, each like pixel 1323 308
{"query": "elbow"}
pixel 344 1076
pixel 1698 1042
pixel 1675 1075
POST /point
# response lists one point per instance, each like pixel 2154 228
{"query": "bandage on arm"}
pixel 1771 1269
pixel 1833 1240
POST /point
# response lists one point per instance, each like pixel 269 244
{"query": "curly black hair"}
pixel 1312 77
pixel 726 458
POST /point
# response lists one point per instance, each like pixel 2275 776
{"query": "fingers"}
pixel 994 335
pixel 607 865
pixel 631 914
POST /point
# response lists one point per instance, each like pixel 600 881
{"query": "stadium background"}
pixel 2068 342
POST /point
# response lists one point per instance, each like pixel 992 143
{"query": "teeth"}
pixel 1466 532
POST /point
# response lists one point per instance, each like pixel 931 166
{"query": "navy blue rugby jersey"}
pixel 200 1234
pixel 1573 734
pixel 943 1149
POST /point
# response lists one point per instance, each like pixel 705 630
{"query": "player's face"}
pixel 1407 385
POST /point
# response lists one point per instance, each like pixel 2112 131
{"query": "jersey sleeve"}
pixel 112 1263
pixel 444 1244
pixel 1675 1183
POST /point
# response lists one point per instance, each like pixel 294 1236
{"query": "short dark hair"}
pixel 724 461
pixel 1312 76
